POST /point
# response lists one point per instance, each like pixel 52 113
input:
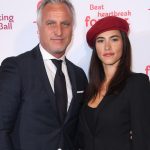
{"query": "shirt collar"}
pixel 48 56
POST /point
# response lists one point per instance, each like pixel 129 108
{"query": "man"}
pixel 30 118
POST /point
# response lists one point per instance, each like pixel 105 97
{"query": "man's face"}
pixel 55 28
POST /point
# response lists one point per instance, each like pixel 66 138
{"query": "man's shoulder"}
pixel 23 56
pixel 31 53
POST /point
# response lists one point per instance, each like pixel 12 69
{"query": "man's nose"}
pixel 58 30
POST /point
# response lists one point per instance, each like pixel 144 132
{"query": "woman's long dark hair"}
pixel 97 75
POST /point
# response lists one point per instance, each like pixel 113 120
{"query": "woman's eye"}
pixel 100 41
pixel 115 39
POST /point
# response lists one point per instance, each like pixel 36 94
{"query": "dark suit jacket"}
pixel 117 116
pixel 28 115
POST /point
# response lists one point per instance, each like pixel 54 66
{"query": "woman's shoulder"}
pixel 138 78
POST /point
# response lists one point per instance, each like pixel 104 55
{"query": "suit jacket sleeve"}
pixel 140 113
pixel 9 101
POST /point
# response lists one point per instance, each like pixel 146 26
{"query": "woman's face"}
pixel 109 47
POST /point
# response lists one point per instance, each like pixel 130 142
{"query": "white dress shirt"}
pixel 51 71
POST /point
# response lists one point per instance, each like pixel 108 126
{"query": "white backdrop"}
pixel 18 30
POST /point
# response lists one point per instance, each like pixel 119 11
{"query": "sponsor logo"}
pixel 90 21
pixel 99 11
pixel 147 69
pixel 6 22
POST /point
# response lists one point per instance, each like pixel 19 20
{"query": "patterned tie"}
pixel 60 90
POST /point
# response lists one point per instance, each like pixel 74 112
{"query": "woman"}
pixel 116 115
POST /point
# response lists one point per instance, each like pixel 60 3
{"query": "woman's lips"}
pixel 108 54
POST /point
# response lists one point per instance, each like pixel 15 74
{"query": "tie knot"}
pixel 57 63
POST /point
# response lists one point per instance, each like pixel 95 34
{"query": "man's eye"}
pixel 66 24
pixel 50 23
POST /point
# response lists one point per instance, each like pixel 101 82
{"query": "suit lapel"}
pixel 41 71
pixel 72 77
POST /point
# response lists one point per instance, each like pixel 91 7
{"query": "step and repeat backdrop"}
pixel 18 29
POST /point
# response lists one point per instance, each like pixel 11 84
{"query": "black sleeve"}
pixel 140 113
pixel 9 101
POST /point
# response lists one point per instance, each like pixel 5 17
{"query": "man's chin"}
pixel 59 53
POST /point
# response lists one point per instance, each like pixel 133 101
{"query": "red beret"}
pixel 106 24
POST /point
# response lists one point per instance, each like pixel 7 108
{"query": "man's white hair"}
pixel 45 2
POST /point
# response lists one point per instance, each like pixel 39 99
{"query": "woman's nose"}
pixel 107 45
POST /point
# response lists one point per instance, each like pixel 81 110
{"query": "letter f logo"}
pixel 147 69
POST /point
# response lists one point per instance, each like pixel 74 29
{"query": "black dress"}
pixel 91 114
pixel 109 126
